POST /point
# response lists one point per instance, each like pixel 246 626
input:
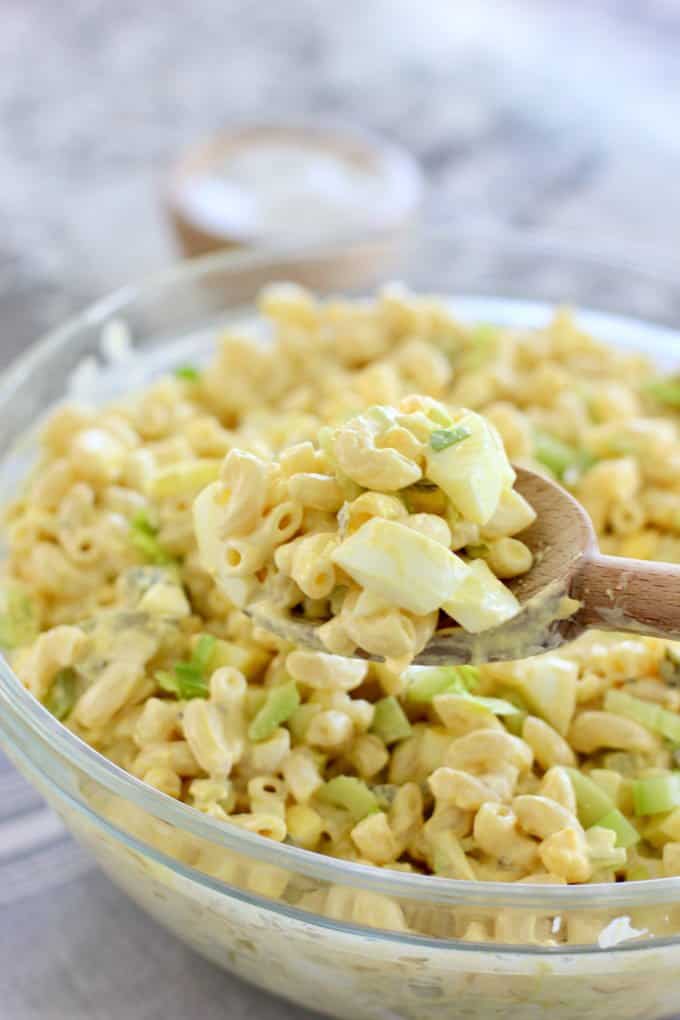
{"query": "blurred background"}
pixel 546 115
pixel 550 116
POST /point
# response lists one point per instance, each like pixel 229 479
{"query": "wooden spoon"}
pixel 570 588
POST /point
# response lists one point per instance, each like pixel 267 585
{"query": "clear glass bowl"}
pixel 334 936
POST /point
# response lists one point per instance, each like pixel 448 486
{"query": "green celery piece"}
pixel 18 616
pixel 553 453
pixel 425 682
pixel 61 696
pixel 626 834
pixel 281 703
pixel 666 391
pixel 652 717
pixel 349 793
pixel 591 801
pixel 189 373
pixel 389 721
pixel 441 439
pixel 655 795
pixel 468 676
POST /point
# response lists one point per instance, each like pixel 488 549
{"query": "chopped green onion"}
pixel 626 834
pixel 188 372
pixel 666 391
pixel 190 679
pixel 655 795
pixel 61 696
pixel 279 706
pixel 389 721
pixel 425 682
pixel 441 439
pixel 653 717
pixel 592 802
pixel 143 537
pixel 349 793
pixel 18 616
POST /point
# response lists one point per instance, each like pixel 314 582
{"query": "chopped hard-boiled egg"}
pixel 401 565
pixel 473 472
pixel 481 601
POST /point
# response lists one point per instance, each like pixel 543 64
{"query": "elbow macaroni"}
pixel 293 457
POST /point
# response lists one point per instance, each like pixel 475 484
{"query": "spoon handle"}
pixel 628 595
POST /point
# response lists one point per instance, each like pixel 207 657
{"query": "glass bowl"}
pixel 337 937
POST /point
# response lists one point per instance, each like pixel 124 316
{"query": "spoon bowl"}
pixel 570 588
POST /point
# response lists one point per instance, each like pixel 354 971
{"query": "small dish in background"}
pixel 267 185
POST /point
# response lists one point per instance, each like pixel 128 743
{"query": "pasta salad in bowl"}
pixel 264 798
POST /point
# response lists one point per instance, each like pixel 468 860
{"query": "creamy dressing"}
pixel 271 189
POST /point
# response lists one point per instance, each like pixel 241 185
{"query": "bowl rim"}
pixel 31 714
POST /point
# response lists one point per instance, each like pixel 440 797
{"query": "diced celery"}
pixel 425 682
pixel 553 453
pixel 644 712
pixel 280 704
pixel 626 834
pixel 349 793
pixel 61 695
pixel 401 565
pixel 647 713
pixel 19 623
pixel 389 721
pixel 591 801
pixel 184 478
pixel 656 795
pixel 666 391
pixel 441 439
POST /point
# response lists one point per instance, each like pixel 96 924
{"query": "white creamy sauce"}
pixel 269 190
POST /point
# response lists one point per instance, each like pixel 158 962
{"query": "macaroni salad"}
pixel 361 531
pixel 558 769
